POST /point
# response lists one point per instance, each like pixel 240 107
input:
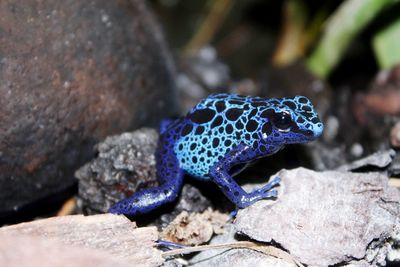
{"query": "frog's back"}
pixel 212 128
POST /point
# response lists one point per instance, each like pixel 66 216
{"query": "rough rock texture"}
pixel 325 218
pixel 243 258
pixel 35 253
pixel 380 159
pixel 109 235
pixel 125 164
pixel 73 72
pixel 195 228
pixel 191 199
pixel 234 257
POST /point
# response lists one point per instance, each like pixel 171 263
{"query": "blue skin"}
pixel 223 131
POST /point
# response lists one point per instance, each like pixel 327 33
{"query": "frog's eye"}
pixel 282 121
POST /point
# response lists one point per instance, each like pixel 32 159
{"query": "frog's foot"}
pixel 276 181
pixel 232 214
pixel 262 193
pixel 255 196
pixel 169 245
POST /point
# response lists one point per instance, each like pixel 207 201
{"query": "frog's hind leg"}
pixel 170 178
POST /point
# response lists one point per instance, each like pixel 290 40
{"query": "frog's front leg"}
pixel 170 177
pixel 219 174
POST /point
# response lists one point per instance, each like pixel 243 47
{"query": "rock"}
pixel 194 228
pixel 105 239
pixel 380 160
pixel 325 218
pixel 73 72
pixel 191 199
pixel 235 257
pixel 35 252
pixel 243 258
pixel 125 164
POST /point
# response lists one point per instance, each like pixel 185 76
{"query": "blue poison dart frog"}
pixel 223 131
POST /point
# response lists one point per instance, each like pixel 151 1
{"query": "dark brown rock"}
pixel 71 73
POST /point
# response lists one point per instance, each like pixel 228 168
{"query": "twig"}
pixel 265 249
pixel 68 207
pixel 210 25
pixel 291 43
pixel 394 182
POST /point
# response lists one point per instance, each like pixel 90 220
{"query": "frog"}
pixel 216 140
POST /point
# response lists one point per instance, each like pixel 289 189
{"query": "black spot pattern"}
pixel 217 121
pixel 251 126
pixel 201 116
pixel 199 130
pixel 266 128
pixel 220 106
pixel 222 122
pixel 229 129
pixel 233 114
pixel 187 129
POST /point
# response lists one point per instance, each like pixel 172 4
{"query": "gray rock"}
pixel 234 257
pixel 190 199
pixel 243 258
pixel 125 163
pixel 325 218
pixel 380 159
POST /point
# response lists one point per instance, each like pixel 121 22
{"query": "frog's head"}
pixel 293 120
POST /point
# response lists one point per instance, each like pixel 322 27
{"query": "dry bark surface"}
pixel 105 239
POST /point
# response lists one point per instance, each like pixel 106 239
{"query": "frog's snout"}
pixel 318 130
pixel 312 130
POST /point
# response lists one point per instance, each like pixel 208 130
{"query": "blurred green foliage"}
pixel 386 44
pixel 249 34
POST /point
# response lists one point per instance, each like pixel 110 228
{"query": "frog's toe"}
pixel 270 194
pixel 169 245
pixel 266 194
pixel 232 214
pixel 276 181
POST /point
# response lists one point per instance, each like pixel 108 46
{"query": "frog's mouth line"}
pixel 300 135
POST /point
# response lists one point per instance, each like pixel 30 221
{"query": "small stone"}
pixel 380 159
pixel 356 150
pixel 125 163
pixel 195 228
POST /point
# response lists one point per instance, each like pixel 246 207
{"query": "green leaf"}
pixel 343 26
pixel 386 44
